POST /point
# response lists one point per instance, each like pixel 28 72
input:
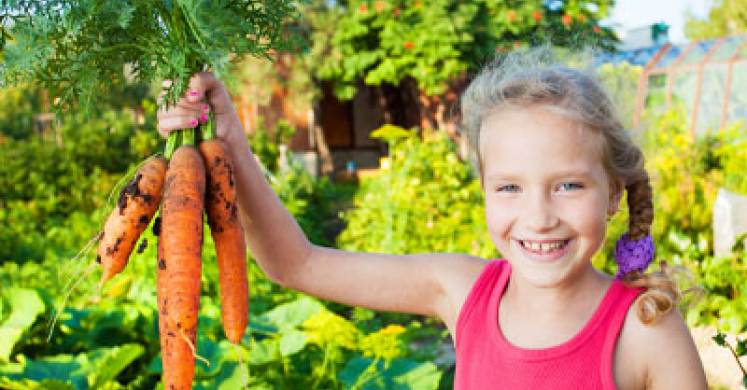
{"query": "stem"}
pixel 324 367
pixel 733 352
pixel 207 130
pixel 188 137
pixel 172 143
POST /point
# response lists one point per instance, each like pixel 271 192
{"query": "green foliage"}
pixel 433 42
pixel 739 351
pixel 726 17
pixel 18 106
pixel 428 201
pixel 266 143
pixel 77 48
pixel 19 308
pixel 49 184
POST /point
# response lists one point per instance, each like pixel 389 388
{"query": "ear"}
pixel 617 187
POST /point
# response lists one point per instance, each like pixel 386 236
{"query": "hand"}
pixel 205 93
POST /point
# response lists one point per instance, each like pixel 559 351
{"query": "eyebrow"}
pixel 499 176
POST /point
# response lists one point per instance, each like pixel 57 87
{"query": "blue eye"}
pixel 570 186
pixel 508 188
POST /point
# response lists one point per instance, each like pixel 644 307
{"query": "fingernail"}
pixel 203 118
pixel 206 107
pixel 193 93
pixel 193 122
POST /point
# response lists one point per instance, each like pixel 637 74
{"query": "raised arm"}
pixel 429 284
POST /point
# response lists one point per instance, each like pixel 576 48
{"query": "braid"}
pixel 641 206
pixel 662 293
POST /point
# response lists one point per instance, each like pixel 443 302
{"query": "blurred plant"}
pixel 427 201
pixel 739 351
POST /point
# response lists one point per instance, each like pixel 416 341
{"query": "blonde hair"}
pixel 537 78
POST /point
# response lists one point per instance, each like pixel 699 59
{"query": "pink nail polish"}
pixel 193 122
pixel 192 93
pixel 206 107
pixel 203 118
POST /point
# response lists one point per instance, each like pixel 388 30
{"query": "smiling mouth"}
pixel 545 247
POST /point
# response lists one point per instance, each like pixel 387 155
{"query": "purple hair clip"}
pixel 633 255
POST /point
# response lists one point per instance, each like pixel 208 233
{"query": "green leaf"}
pixel 293 314
pixel 66 368
pixel 265 351
pixel 232 376
pixel 27 384
pixel 25 305
pixel 399 374
pixel 110 362
pixel 95 370
pixel 390 133
pixel 292 342
pixel 720 339
pixel 741 348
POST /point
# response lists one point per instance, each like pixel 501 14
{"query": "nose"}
pixel 539 214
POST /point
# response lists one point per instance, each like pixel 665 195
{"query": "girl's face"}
pixel 547 194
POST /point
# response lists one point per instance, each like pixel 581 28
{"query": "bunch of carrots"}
pixel 195 175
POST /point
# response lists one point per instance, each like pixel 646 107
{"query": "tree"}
pixel 726 17
pixel 406 47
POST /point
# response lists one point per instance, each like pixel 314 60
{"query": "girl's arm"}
pixel 664 353
pixel 429 284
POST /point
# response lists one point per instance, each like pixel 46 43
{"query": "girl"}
pixel 554 162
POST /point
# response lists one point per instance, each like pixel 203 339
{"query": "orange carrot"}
pixel 180 266
pixel 222 216
pixel 137 203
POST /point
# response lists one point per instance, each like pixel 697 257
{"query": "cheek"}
pixel 498 219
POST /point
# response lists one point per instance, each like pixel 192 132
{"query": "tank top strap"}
pixel 615 320
pixel 482 291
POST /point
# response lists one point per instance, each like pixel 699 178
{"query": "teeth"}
pixel 544 247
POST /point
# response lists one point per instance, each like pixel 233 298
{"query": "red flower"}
pixel 511 15
pixel 537 15
pixel 409 45
pixel 363 9
pixel 597 29
pixel 567 19
pixel 379 5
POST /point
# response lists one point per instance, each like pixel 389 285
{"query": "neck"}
pixel 579 296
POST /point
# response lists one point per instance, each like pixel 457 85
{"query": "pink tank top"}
pixel 485 360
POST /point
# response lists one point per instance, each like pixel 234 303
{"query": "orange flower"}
pixel 418 4
pixel 396 11
pixel 567 19
pixel 379 5
pixel 537 15
pixel 597 29
pixel 409 45
pixel 511 15
pixel 363 9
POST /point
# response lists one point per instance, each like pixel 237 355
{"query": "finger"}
pixel 196 91
pixel 215 93
pixel 183 107
pixel 170 123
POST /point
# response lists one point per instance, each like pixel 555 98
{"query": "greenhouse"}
pixel 707 80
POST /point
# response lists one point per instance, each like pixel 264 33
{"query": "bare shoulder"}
pixel 457 274
pixel 665 352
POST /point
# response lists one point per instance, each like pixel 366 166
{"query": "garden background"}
pixel 60 177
